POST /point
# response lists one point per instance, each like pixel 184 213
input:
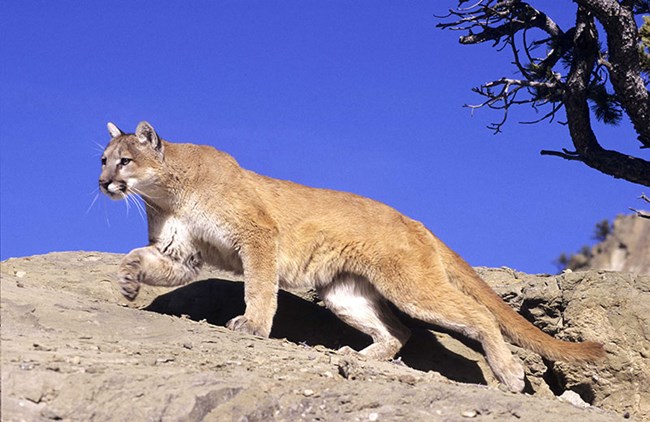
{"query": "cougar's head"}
pixel 131 162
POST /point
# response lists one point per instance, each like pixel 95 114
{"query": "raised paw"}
pixel 127 278
pixel 244 325
pixel 129 287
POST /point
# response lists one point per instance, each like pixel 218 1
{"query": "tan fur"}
pixel 358 253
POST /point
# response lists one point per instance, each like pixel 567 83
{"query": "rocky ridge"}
pixel 73 349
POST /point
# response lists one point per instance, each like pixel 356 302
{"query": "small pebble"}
pixel 469 413
pixel 373 416
pixel 50 414
pixel 53 367
pixel 574 398
pixel 20 274
pixel 308 393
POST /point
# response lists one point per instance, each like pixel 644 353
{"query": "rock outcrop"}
pixel 610 307
pixel 626 248
pixel 73 349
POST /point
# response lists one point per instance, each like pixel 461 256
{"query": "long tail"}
pixel 515 326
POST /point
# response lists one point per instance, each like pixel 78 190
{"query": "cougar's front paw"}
pixel 129 285
pixel 243 324
pixel 127 278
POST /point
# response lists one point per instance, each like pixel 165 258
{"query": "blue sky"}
pixel 362 96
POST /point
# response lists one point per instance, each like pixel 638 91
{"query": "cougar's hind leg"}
pixel 452 309
pixel 355 301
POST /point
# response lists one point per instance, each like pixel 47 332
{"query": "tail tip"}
pixel 590 351
pixel 595 350
pixel 587 351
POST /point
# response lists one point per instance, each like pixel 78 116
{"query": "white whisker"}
pixel 99 146
pixel 149 206
pixel 140 208
pixel 99 149
pixel 126 203
pixel 132 201
pixel 144 198
pixel 108 221
pixel 139 192
pixel 92 203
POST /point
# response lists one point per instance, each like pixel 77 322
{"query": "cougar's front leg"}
pixel 150 265
pixel 260 288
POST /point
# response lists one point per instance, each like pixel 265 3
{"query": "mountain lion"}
pixel 359 254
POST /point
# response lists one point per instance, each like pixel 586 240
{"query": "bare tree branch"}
pixel 567 155
pixel 622 45
pixel 547 84
pixel 641 213
pixel 578 114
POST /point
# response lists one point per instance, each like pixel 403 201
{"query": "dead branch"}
pixel 566 69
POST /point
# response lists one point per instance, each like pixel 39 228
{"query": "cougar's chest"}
pixel 215 241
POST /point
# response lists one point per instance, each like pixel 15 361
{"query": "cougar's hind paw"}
pixel 513 378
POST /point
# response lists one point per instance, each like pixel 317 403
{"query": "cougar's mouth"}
pixel 114 190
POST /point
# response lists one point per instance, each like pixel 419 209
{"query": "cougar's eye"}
pixel 103 161
pixel 125 161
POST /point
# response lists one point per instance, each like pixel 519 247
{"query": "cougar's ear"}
pixel 114 130
pixel 147 135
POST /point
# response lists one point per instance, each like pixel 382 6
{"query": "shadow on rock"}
pixel 302 321
pixel 425 353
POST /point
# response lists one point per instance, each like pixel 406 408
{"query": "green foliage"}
pixel 644 48
pixel 580 259
pixel 602 230
pixel 562 261
pixel 605 106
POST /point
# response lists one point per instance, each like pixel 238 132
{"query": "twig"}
pixel 640 213
pixel 566 154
